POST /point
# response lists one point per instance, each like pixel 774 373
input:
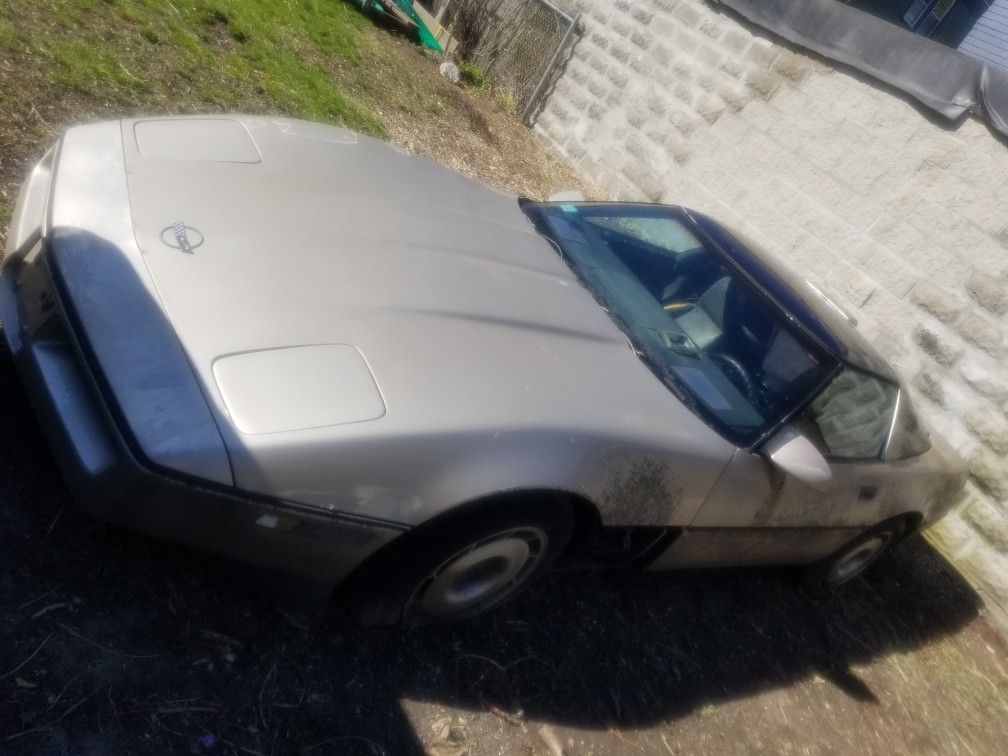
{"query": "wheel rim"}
pixel 857 560
pixel 483 574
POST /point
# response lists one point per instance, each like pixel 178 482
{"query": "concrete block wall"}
pixel 902 216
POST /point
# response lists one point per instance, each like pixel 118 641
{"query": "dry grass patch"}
pixel 68 61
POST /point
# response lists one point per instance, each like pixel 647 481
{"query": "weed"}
pixel 475 76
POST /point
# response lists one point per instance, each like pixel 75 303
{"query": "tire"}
pixel 854 558
pixel 460 564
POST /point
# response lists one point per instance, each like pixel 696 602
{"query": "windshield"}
pixel 715 340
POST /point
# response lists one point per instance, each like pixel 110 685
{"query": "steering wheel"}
pixel 736 373
pixel 748 320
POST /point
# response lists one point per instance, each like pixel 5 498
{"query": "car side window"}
pixel 854 415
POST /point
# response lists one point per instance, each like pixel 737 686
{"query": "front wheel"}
pixel 460 564
pixel 858 555
pixel 482 574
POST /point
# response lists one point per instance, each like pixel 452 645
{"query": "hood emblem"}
pixel 180 236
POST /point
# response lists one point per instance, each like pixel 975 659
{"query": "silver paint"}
pixel 496 370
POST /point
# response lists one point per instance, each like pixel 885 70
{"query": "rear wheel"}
pixel 460 564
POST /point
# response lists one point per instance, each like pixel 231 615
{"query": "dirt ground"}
pixel 114 643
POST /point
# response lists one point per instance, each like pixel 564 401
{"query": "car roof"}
pixel 806 304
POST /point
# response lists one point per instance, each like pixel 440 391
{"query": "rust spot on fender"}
pixel 645 492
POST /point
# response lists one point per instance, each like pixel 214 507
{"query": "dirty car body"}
pixel 291 344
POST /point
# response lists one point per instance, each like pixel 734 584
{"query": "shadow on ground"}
pixel 114 642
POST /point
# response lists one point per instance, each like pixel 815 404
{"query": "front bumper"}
pixel 108 480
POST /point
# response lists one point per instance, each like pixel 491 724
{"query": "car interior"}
pixel 721 316
pixel 724 319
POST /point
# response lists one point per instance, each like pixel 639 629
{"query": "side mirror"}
pixel 795 454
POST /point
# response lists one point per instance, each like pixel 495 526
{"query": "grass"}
pixel 474 76
pixel 226 52
pixel 482 84
pixel 92 69
pixel 68 60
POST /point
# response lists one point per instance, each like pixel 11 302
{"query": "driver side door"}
pixel 811 488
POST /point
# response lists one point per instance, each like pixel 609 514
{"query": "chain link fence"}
pixel 521 44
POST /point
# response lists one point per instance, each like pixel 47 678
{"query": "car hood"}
pixel 327 288
pixel 343 304
pixel 303 234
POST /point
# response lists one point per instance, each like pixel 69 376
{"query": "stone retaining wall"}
pixel 904 218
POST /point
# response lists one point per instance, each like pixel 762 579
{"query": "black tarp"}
pixel 945 80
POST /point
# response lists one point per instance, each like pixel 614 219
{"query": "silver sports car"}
pixel 300 347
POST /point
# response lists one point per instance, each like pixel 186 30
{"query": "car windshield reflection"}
pixel 718 342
